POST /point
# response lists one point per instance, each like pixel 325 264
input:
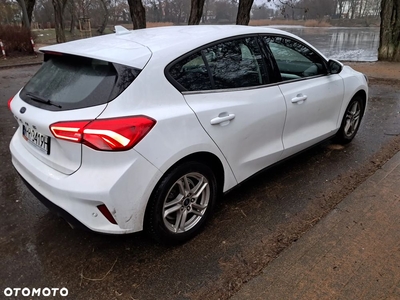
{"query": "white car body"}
pixel 267 125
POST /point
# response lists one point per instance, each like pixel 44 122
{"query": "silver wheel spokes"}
pixel 352 119
pixel 186 202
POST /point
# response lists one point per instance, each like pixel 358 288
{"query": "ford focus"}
pixel 146 129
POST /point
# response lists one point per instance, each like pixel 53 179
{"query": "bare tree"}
pixel 315 9
pixel 288 8
pixel 196 11
pixel 73 16
pixel 9 12
pixel 179 10
pixel 389 42
pixel 243 15
pixel 259 12
pixel 105 17
pixel 59 7
pixel 138 13
pixel 25 18
pixel 44 12
pixel 29 4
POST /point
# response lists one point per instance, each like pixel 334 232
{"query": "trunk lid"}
pixel 66 88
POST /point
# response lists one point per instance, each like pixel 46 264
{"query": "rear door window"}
pixel 230 64
pixel 69 82
pixel 237 63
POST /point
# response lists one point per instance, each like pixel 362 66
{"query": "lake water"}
pixel 353 44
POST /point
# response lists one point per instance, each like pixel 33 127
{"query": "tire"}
pixel 351 121
pixel 181 203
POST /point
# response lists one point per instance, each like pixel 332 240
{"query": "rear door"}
pixel 226 85
pixel 313 97
pixel 66 88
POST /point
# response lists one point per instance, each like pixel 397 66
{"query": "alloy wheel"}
pixel 352 119
pixel 186 202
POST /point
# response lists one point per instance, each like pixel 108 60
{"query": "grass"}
pixel 307 23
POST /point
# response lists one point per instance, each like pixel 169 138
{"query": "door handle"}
pixel 224 117
pixel 300 98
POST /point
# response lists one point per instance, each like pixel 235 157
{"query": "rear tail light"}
pixel 115 134
pixel 9 102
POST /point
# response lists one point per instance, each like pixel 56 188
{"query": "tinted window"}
pixel 191 73
pixel 237 63
pixel 294 59
pixel 72 82
pixel 231 64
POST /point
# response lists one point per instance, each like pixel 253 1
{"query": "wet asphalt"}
pixel 251 225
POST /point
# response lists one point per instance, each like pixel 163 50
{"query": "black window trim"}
pixel 200 49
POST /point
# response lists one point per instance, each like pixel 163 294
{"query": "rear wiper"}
pixel 40 99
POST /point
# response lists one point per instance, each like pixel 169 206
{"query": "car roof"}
pixel 163 38
pixel 135 47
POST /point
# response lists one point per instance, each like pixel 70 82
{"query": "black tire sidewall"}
pixel 154 223
pixel 341 137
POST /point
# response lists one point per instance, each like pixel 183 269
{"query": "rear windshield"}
pixel 69 82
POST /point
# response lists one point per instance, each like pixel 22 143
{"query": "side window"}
pixel 192 73
pixel 236 63
pixel 231 64
pixel 294 59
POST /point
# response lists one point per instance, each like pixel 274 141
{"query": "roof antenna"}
pixel 120 30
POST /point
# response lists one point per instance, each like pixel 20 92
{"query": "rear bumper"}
pixel 123 181
pixel 54 208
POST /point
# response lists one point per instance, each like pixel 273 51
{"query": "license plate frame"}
pixel 39 140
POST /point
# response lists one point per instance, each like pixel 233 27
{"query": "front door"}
pixel 313 97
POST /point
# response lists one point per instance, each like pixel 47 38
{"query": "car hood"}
pixel 108 48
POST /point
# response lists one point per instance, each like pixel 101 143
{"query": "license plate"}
pixel 39 140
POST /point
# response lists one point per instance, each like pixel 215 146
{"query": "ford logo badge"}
pixel 22 110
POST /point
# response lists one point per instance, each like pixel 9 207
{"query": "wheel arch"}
pixel 363 95
pixel 212 161
pixel 207 158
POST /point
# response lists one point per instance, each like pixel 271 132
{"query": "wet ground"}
pixel 252 224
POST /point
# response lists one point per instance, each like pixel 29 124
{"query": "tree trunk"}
pixel 72 10
pixel 59 6
pixel 138 14
pixel 243 14
pixel 389 41
pixel 25 18
pixel 340 8
pixel 105 17
pixel 30 4
pixel 196 11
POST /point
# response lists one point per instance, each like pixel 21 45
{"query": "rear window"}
pixel 67 82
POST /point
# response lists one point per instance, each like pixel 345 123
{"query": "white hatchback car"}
pixel 145 129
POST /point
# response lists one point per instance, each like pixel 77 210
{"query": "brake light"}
pixel 115 134
pixel 9 102
pixel 70 131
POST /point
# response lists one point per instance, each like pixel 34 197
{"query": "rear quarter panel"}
pixel 177 133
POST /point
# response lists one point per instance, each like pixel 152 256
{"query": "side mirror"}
pixel 334 66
